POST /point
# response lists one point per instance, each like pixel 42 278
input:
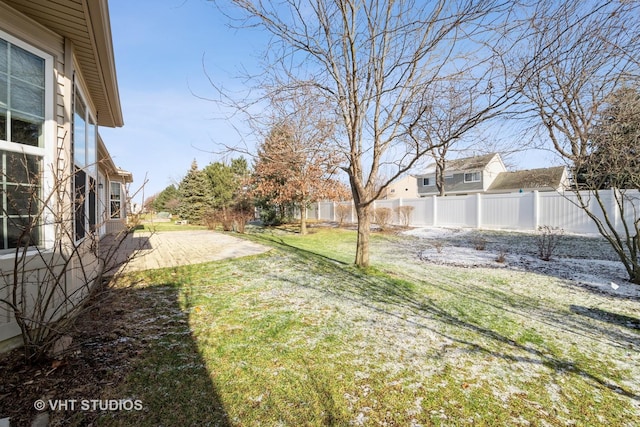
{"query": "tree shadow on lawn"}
pixel 382 293
pixel 610 317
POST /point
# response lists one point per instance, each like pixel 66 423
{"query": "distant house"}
pixel 545 179
pixel 404 188
pixel 487 174
pixel 463 176
pixel 57 86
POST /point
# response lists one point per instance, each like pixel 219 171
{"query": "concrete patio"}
pixel 175 248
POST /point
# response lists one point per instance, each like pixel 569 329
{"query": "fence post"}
pixel 435 210
pixel 536 210
pixel 615 208
pixel 478 210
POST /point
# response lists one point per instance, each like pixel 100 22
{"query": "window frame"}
pixel 474 175
pixel 44 152
pixel 120 200
pixel 84 189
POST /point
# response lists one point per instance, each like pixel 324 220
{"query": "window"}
pixel 472 177
pixel 115 200
pixel 85 168
pixel 25 80
pixel 427 182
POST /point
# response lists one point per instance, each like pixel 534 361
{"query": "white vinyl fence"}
pixel 514 211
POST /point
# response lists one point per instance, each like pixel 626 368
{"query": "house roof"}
pixel 106 161
pixel 86 23
pixel 470 163
pixel 465 164
pixel 550 178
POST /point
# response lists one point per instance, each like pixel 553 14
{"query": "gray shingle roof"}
pixel 545 178
pixel 470 163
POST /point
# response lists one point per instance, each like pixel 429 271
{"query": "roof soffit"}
pixel 86 23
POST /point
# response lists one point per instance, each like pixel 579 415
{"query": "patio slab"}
pixel 176 248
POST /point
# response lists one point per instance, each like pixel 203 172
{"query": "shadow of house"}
pixel 117 250
pixel 134 346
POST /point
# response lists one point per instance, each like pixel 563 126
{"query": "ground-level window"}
pixel 472 177
pixel 115 200
pixel 24 88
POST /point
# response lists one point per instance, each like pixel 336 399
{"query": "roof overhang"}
pixel 106 163
pixel 87 25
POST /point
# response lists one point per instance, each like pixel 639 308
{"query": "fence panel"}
pixel 563 210
pixel 515 211
pixel 325 211
pixel 422 214
pixel 631 208
pixel 459 211
pixel 508 211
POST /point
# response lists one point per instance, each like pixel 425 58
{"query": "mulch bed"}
pixel 99 357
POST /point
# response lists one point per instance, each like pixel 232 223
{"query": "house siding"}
pixel 452 184
pixel 57 162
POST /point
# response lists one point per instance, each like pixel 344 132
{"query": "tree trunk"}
pixel 440 176
pixel 362 245
pixel 303 219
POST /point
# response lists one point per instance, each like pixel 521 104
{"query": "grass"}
pixel 298 336
pixel 167 226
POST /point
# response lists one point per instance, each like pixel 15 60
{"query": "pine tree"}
pixel 167 200
pixel 195 195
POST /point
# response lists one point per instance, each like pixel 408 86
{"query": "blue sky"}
pixel 159 47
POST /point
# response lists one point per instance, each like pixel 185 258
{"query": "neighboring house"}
pixel 463 176
pixel 57 85
pixel 545 179
pixel 487 174
pixel 405 188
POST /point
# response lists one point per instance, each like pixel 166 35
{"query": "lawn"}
pixel 298 336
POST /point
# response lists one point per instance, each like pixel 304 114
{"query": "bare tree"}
pixel 297 163
pixel 377 63
pixel 584 53
pixel 56 275
pixel 449 118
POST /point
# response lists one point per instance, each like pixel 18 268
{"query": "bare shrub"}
pixel 52 283
pixel 502 257
pixel 240 222
pixel 342 213
pixel 548 239
pixel 383 217
pixel 211 219
pixel 438 246
pixel 404 214
pixel 479 243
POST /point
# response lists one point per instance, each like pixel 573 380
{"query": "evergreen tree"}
pixel 195 195
pixel 222 184
pixel 167 200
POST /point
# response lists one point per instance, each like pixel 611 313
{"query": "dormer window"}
pixel 472 177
